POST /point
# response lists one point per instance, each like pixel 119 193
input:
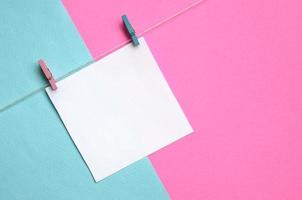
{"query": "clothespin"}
pixel 48 74
pixel 130 30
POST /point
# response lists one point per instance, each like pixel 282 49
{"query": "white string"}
pixel 172 17
pixel 106 53
pixel 196 3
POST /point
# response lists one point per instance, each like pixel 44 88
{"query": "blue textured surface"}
pixel 38 160
pixel 31 30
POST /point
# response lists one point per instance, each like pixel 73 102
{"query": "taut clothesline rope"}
pixel 154 26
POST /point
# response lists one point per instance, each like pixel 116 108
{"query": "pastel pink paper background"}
pixel 236 69
pixel 100 24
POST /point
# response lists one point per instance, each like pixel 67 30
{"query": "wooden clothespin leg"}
pixel 130 30
pixel 48 74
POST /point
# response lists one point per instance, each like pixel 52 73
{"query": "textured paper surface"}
pixel 31 30
pixel 38 160
pixel 101 20
pixel 119 110
pixel 236 72
pixel 37 157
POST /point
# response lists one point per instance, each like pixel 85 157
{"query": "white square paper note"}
pixel 119 110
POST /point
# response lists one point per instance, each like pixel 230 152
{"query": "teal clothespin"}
pixel 130 30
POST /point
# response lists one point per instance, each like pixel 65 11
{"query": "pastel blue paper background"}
pixel 39 161
pixel 31 30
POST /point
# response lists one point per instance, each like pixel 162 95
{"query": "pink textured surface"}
pixel 100 24
pixel 236 69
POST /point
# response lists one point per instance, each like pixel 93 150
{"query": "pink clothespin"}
pixel 48 74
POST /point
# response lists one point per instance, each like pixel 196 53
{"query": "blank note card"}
pixel 119 110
